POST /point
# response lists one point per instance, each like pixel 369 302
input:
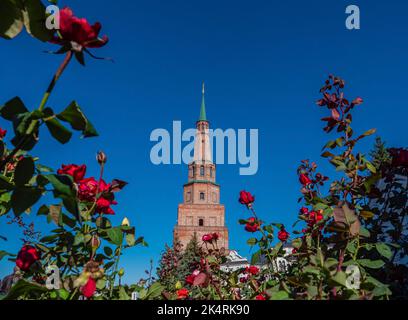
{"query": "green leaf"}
pixel 297 243
pixel 108 251
pixel 62 184
pixel 141 241
pixel 101 284
pixel 11 20
pixel 22 287
pixel 34 20
pixel 372 264
pixel 382 291
pixel 368 133
pixel 277 248
pixel 24 198
pixel 63 294
pixel 384 250
pixel 5 183
pixel 115 235
pixel 78 121
pixel 12 108
pixel 340 278
pixel 130 239
pixel 58 131
pixel 256 257
pixel 280 295
pixel 154 291
pixel 79 239
pixel 371 167
pixel 311 270
pixel 252 241
pixel 364 232
pixel 24 171
pixel 5 253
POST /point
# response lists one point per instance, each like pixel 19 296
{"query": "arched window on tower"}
pixel 194 171
pixel 202 196
pixel 211 172
pixel 202 171
pixel 200 222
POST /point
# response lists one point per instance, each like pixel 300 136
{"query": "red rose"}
pixel 89 288
pixel 215 236
pixel 207 237
pixel 103 206
pixel 283 235
pixel 314 217
pixel 2 133
pixel 252 270
pixel 261 296
pixel 79 31
pixel 87 189
pixel 73 170
pixel 246 198
pixel 182 293
pixel 304 179
pixel 26 257
pixel 252 225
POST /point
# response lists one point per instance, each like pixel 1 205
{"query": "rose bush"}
pixel 84 246
pixel 337 237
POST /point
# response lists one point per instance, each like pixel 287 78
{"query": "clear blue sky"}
pixel 263 63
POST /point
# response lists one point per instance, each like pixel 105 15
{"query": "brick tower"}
pixel 201 211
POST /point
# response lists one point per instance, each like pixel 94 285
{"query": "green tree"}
pixel 190 259
pixel 380 155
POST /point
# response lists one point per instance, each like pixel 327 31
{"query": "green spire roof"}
pixel 203 116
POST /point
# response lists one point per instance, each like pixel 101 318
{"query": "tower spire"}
pixel 203 116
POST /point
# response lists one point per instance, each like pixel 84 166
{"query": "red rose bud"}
pixel 246 198
pixel 77 32
pixel 304 210
pixel 252 225
pixel 304 179
pixel 283 235
pixel 207 238
pixel 215 236
pixel 101 157
pixel 89 288
pixel 182 293
pixel 26 257
pixel 95 242
pixel 73 170
pixel 2 133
